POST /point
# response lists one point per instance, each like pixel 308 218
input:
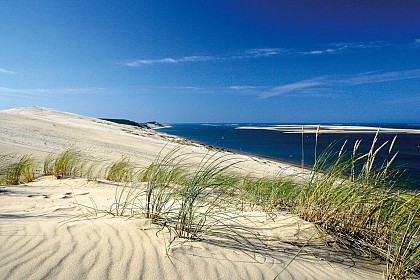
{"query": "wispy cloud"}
pixel 168 60
pixel 380 77
pixel 341 47
pixel 416 43
pixel 327 85
pixel 246 54
pixel 263 52
pixel 298 87
pixel 255 53
pixel 179 88
pixel 360 45
pixel 7 72
pixel 332 48
pixel 325 51
pixel 241 87
pixel 52 91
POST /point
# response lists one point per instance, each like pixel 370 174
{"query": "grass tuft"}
pixel 347 193
pixel 67 164
pixel 20 172
pixel 120 171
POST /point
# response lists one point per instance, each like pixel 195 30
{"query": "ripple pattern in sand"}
pixel 119 249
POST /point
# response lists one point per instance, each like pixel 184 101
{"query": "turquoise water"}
pixel 288 147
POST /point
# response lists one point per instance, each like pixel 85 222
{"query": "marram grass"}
pixel 347 194
pixel 20 172
pixel 121 171
pixel 352 197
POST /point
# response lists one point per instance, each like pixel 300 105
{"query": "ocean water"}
pixel 288 147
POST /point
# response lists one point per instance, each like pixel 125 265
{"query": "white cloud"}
pixel 7 72
pixel 359 45
pixel 198 58
pixel 242 87
pixel 327 85
pixel 181 88
pixel 250 53
pixel 301 86
pixel 380 77
pixel 339 47
pixel 261 52
pixel 169 60
pixel 332 48
pixel 52 91
pixel 326 51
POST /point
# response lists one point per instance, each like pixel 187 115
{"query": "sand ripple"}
pixel 38 241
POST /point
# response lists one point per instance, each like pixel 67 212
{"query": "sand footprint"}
pixel 81 193
pixel 71 208
pixel 37 196
pixel 59 196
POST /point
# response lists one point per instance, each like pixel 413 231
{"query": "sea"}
pixel 287 147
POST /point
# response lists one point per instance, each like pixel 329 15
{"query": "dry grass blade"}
pixel 17 173
pixel 68 163
pixel 120 171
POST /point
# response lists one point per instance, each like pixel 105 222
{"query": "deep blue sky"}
pixel 214 60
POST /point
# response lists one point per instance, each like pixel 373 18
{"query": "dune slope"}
pixel 47 232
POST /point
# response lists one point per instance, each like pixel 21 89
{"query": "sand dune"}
pixel 40 131
pixel 40 240
pixel 46 232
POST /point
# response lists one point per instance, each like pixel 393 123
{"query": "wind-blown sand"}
pixel 44 233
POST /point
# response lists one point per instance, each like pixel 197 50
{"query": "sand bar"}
pixel 333 129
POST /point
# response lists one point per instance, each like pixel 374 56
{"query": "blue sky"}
pixel 214 60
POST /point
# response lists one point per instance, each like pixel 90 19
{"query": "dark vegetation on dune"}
pixel 146 125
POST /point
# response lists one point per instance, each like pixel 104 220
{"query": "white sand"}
pixel 38 241
pixel 40 131
pixel 333 129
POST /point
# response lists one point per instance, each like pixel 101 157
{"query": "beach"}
pixel 61 228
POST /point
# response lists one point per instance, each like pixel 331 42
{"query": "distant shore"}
pixel 332 129
pixel 245 153
pixel 32 215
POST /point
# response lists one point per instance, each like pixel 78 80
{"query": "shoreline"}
pixel 404 145
pixel 52 131
pixel 241 152
pixel 332 129
pixel 35 211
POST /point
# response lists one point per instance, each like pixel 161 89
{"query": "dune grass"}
pixel 346 194
pixel 200 198
pixel 120 171
pixel 270 193
pixel 188 200
pixel 20 172
pixel 359 201
pixel 161 179
pixel 350 196
pixel 67 164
